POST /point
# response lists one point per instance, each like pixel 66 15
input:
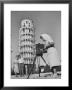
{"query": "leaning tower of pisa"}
pixel 27 41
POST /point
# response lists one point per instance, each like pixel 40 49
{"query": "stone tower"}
pixel 27 41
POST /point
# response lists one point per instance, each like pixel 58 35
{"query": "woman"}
pixel 16 69
pixel 51 57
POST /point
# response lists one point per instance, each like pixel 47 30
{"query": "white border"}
pixel 64 8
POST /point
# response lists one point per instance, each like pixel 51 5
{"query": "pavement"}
pixel 36 76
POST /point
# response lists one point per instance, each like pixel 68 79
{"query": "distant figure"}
pixel 16 69
pixel 26 69
pixel 51 56
pixel 21 66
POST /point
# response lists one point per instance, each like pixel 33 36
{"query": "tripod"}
pixel 39 55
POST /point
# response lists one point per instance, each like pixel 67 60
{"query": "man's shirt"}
pixel 21 60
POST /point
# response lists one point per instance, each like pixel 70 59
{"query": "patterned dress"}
pixel 16 69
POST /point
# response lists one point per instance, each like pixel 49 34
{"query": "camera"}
pixel 40 49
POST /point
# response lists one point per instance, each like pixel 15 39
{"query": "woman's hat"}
pixel 46 38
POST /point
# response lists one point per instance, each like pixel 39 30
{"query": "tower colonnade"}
pixel 27 41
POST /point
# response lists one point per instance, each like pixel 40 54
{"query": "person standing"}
pixel 21 66
pixel 16 69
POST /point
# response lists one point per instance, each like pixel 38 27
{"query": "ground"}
pixel 36 76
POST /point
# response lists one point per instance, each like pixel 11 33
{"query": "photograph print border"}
pixel 2 28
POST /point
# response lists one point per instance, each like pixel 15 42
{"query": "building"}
pixel 27 43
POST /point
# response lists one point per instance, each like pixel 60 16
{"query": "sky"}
pixel 44 22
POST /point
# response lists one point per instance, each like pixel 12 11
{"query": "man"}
pixel 21 66
pixel 51 56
